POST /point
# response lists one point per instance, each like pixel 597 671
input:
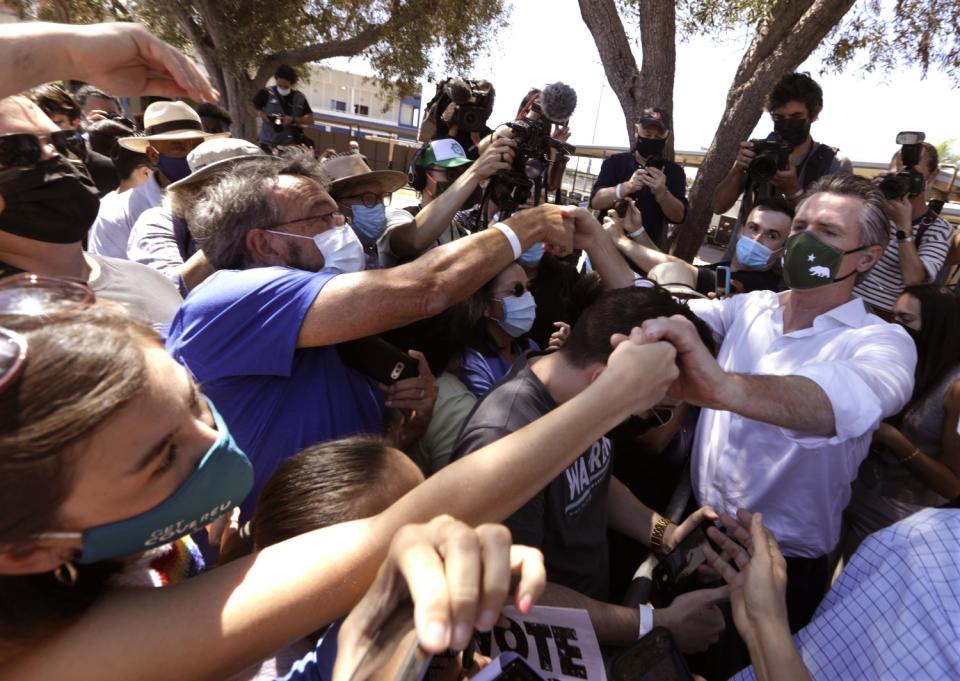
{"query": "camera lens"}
pixel 762 168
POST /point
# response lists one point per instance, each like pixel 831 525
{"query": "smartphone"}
pixel 621 207
pixel 378 359
pixel 653 658
pixel 680 565
pixel 723 281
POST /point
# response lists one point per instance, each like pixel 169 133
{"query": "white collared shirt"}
pixel 800 482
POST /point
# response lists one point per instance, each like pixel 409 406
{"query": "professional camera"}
pixel 772 155
pixel 907 181
pixel 532 161
pixel 474 100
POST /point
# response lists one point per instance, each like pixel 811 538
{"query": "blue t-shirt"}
pixel 480 372
pixel 237 334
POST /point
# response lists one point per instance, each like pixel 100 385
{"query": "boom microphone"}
pixel 557 101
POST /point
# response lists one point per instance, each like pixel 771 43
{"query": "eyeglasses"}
pixel 368 199
pixel 516 290
pixel 22 149
pixel 326 221
pixel 32 295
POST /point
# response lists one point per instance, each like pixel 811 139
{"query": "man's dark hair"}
pixel 87 91
pixel 219 116
pixel 618 311
pixel 53 99
pixel 103 135
pixel 126 161
pixel 777 203
pixel 324 485
pixel 287 73
pixel 796 87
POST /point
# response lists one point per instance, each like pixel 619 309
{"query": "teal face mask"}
pixel 221 480
pixel 809 262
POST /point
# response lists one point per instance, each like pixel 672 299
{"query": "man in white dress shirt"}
pixel 802 380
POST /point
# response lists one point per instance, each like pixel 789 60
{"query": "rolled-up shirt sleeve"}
pixel 870 386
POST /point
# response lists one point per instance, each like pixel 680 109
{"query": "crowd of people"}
pixel 258 422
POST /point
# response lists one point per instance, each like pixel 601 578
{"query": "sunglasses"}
pixel 23 149
pixel 32 295
pixel 516 290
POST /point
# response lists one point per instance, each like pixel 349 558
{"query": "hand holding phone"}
pixel 378 359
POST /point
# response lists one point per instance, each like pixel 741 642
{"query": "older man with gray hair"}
pixel 260 333
pixel 802 380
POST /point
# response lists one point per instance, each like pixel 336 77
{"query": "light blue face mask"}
pixel 753 255
pixel 221 480
pixel 532 256
pixel 369 223
pixel 283 91
pixel 518 314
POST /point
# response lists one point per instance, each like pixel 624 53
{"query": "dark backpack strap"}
pixel 817 164
pixel 928 219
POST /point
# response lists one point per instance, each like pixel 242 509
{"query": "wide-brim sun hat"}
pixel 342 173
pixel 167 121
pixel 215 154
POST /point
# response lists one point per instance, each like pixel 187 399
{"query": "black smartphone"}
pixel 680 565
pixel 378 359
pixel 723 281
pixel 621 207
pixel 653 658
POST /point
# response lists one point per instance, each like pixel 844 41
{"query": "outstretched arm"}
pixel 122 58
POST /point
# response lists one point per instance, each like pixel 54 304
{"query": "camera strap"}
pixel 816 164
pixel 928 219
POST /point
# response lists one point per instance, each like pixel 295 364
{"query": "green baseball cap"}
pixel 446 153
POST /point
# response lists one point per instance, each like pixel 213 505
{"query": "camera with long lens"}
pixel 474 103
pixel 907 181
pixel 772 156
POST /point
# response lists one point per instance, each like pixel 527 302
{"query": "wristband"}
pixel 915 452
pixel 617 191
pixel 511 237
pixel 646 620
pixel 636 233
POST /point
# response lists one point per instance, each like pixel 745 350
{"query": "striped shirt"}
pixel 884 284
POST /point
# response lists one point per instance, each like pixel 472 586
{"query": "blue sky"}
pixel 546 40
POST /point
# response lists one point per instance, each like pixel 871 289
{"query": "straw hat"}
pixel 217 153
pixel 343 173
pixel 168 121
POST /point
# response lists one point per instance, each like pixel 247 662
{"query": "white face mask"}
pixel 284 91
pixel 341 249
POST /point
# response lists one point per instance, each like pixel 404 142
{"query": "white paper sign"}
pixel 558 642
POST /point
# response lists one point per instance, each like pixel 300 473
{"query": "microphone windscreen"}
pixel 558 100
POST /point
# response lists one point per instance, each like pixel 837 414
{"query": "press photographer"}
pixel 460 109
pixel 657 186
pixel 923 238
pixel 540 154
pixel 788 161
pixel 283 111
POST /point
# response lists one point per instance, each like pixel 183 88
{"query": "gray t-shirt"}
pixel 144 291
pixel 567 520
pixel 161 240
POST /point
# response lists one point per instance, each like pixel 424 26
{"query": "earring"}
pixel 66 574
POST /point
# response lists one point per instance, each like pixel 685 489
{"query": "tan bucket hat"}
pixel 168 121
pixel 677 278
pixel 342 173
pixel 214 154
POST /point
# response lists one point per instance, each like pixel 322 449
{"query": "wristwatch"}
pixel 903 236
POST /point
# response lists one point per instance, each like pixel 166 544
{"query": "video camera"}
pixel 532 157
pixel 772 155
pixel 473 104
pixel 907 181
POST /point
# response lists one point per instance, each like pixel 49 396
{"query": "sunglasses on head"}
pixel 24 149
pixel 32 295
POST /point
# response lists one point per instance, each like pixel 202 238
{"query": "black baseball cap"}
pixel 655 117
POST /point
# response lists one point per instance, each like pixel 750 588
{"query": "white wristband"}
pixel 646 621
pixel 635 234
pixel 511 237
pixel 617 192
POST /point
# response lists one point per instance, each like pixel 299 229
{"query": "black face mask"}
pixel 648 147
pixel 794 131
pixel 52 201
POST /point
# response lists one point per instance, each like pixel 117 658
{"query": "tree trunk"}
pixel 782 43
pixel 636 88
pixel 240 89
